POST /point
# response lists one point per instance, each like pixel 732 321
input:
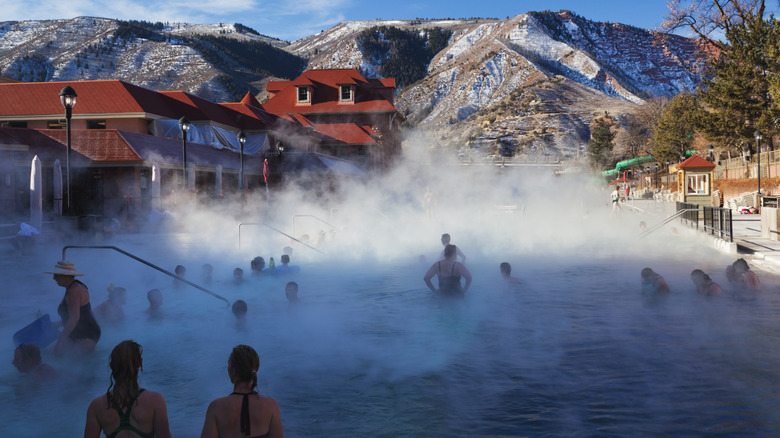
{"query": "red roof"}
pixel 695 162
pixel 371 95
pixel 250 99
pixel 347 132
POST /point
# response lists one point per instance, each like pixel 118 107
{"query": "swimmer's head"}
pixel 239 309
pixel 291 291
pixel 741 265
pixel 180 270
pixel 445 239
pixel 243 364
pixel 449 251
pixel 27 357
pixel 257 264
pixel 699 277
pixel 285 259
pixel 125 361
pixel 506 269
pixel 648 274
pixel 118 294
pixel 155 298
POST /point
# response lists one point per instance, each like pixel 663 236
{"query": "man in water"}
pixel 506 274
pixel 445 240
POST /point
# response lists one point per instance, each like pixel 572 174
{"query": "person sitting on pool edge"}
pixel 449 271
pixel 653 282
pixel 704 284
pixel 27 359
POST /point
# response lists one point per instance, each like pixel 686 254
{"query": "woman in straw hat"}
pixel 80 330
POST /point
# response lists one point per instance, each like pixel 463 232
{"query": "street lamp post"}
pixel 68 100
pixel 757 135
pixel 656 175
pixel 667 173
pixel 241 140
pixel 184 125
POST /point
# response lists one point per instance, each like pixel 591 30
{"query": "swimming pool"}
pixel 576 351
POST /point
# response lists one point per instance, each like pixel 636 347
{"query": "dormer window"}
pixel 304 95
pixel 346 94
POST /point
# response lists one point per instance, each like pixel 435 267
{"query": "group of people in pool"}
pixel 127 407
pixel 449 272
pixel 738 274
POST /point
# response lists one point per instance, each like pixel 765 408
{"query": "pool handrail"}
pixel 659 225
pixel 309 215
pixel 278 231
pixel 151 265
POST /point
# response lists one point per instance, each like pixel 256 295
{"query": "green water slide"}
pixel 626 163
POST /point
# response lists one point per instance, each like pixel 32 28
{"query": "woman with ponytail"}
pixel 126 409
pixel 243 413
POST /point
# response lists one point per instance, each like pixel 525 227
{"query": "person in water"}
pixel 445 240
pixel 206 274
pixel 27 359
pixel 291 292
pixel 239 309
pixel 80 330
pixel 155 302
pixel 180 272
pixel 238 276
pixel 126 409
pixel 653 282
pixel 739 273
pixel 110 311
pixel 449 272
pixel 257 264
pixel 506 273
pixel 243 413
pixel 704 284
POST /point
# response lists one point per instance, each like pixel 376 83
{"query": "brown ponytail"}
pixel 125 362
pixel 245 363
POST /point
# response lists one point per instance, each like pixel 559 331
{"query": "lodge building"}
pixel 126 140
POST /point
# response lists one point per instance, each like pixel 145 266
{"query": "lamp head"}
pixel 68 97
pixel 757 135
pixel 184 124
pixel 241 136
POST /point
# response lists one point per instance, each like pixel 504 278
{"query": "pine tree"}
pixel 600 145
pixel 737 96
pixel 676 128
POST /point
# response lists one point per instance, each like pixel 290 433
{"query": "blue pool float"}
pixel 40 332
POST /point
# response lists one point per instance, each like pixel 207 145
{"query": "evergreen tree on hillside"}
pixel 600 145
pixel 676 128
pixel 737 95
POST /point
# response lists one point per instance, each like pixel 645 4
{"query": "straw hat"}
pixel 65 268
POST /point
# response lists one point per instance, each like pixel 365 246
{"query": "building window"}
pixel 17 124
pixel 303 94
pixel 346 93
pixel 697 184
pixel 96 124
pixel 55 124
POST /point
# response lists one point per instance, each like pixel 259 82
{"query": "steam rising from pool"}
pixel 369 352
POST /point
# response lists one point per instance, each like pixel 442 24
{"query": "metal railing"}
pixel 717 221
pixel 311 216
pixel 121 251
pixel 278 231
pixel 690 213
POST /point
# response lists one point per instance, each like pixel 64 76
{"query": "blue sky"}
pixel 293 19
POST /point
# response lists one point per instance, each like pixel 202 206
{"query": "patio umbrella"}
pixel 156 186
pixel 36 195
pixel 57 187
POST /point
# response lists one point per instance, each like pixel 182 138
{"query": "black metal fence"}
pixel 715 220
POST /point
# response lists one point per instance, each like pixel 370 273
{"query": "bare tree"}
pixel 708 19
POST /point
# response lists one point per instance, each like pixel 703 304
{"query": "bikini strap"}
pixel 245 424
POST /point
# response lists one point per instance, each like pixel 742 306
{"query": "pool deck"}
pixel 748 239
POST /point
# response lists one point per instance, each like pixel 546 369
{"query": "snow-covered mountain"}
pixel 531 83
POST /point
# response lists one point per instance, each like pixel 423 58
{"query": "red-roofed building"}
pixel 357 115
pixel 695 180
pixel 119 131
